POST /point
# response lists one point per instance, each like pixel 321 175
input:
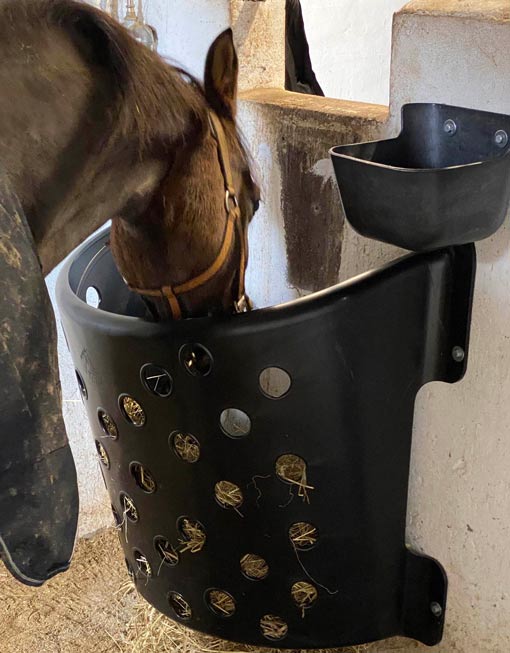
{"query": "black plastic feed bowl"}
pixel 443 181
pixel 258 464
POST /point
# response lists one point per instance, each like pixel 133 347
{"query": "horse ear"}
pixel 221 72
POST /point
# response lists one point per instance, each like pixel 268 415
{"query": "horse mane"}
pixel 154 101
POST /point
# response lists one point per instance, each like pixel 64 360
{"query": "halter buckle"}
pixel 243 304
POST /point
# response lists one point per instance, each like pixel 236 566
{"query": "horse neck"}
pixel 54 141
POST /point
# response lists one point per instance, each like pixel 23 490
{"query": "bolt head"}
pixel 501 138
pixel 450 127
pixel 458 354
pixel 436 609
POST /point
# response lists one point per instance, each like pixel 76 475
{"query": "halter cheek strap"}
pixel 172 293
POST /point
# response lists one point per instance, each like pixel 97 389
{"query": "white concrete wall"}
pixel 459 504
pixel 186 29
pixel 350 46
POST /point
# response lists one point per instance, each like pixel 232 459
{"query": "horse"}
pixel 95 126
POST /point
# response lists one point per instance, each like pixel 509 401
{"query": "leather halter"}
pixel 172 293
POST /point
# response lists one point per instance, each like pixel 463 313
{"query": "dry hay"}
pixel 133 411
pixel 194 536
pixel 143 564
pixel 167 552
pixel 130 510
pixel 143 478
pixel 254 567
pixel 103 456
pixel 108 425
pixel 180 606
pixel 186 447
pixel 221 603
pixel 303 535
pixel 273 627
pixel 292 469
pixel 228 495
pixel 304 595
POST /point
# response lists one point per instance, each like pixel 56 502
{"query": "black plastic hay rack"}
pixel 258 464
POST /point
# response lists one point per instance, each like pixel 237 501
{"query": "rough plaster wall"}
pixel 350 46
pixel 258 31
pixel 296 239
pixel 459 504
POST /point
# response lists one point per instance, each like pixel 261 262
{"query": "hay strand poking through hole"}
pixel 221 603
pixel 180 606
pixel 254 567
pixel 166 551
pixel 132 410
pixel 130 510
pixel 143 478
pixel 107 424
pixel 273 627
pixel 143 564
pixel 303 535
pixel 228 495
pixel 103 455
pixel 292 469
pixel 194 536
pixel 304 595
pixel 186 447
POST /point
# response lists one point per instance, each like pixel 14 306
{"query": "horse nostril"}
pixel 256 205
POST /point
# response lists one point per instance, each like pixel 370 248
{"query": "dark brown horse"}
pixel 94 126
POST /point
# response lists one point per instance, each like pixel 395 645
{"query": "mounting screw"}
pixel 450 127
pixel 458 354
pixel 436 609
pixel 501 138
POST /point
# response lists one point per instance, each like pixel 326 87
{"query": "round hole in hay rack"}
pixel 185 446
pixel 196 359
pixel 254 567
pixel 143 477
pixel 303 535
pixel 275 382
pixel 235 423
pixel 228 495
pixel 107 424
pixel 293 470
pixel 166 551
pixel 93 297
pixel 81 385
pixel 156 380
pixel 304 595
pixel 220 602
pixel 129 508
pixel 142 564
pixel 180 606
pixel 132 411
pixel 273 627
pixel 103 455
pixel 193 535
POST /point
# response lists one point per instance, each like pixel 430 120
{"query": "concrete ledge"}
pixel 490 10
pixel 326 113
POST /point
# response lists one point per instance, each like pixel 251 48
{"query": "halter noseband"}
pixel 172 293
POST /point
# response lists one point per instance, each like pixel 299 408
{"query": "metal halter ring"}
pixel 230 197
